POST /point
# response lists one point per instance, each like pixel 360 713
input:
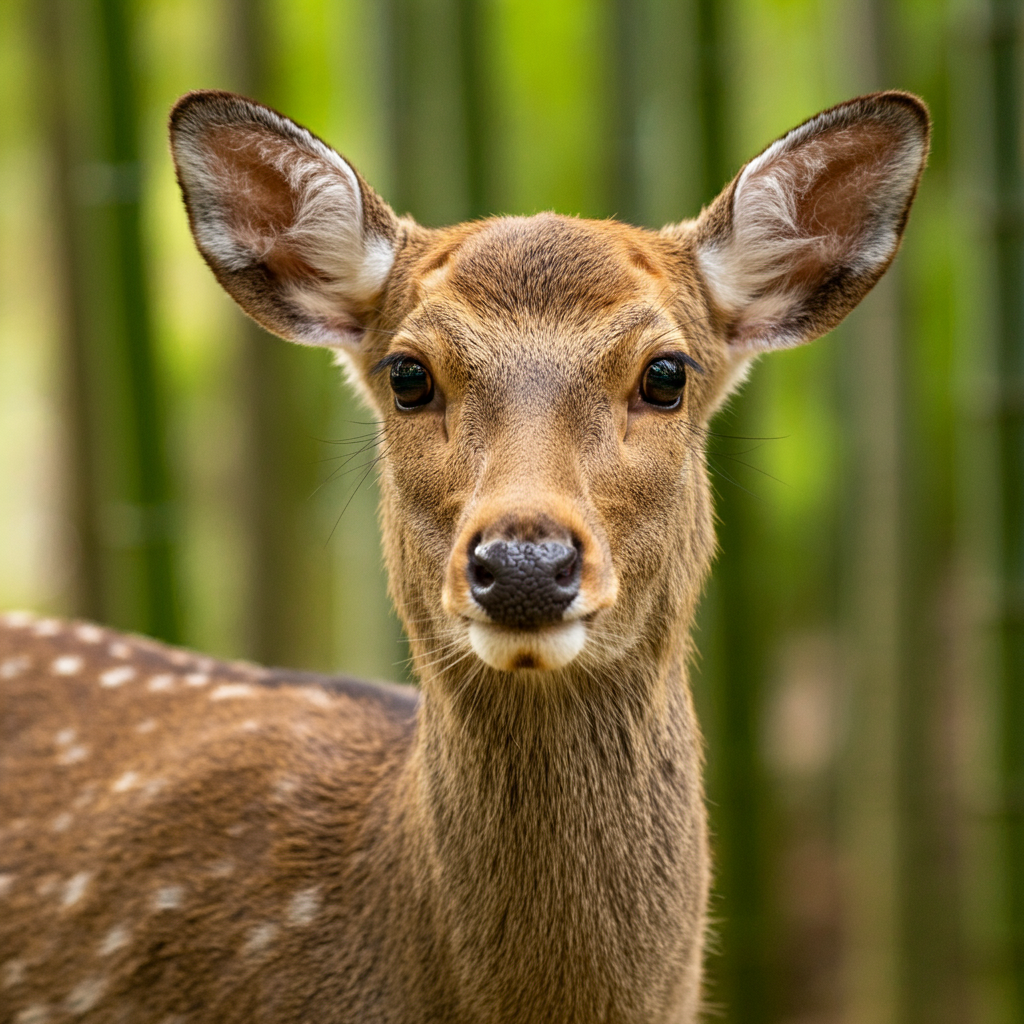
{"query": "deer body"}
pixel 206 833
pixel 526 841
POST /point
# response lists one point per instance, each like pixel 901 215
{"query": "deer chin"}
pixel 515 650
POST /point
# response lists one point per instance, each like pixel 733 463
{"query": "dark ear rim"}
pixel 247 281
pixel 714 226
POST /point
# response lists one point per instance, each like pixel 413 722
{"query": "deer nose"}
pixel 524 585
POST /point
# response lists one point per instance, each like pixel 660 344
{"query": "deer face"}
pixel 544 468
pixel 545 382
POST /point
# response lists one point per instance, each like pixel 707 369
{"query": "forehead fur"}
pixel 548 266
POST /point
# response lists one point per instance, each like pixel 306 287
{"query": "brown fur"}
pixel 527 842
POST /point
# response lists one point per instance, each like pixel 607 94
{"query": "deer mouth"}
pixel 514 650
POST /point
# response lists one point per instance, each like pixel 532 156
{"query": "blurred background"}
pixel 168 468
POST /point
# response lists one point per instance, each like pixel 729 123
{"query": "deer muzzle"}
pixel 527 583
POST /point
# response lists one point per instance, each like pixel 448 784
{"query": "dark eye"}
pixel 411 383
pixel 663 382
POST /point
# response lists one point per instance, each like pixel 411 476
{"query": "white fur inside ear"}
pixel 779 248
pixel 270 192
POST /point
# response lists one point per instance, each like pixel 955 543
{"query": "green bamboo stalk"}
pixel 1009 252
pixel 121 490
pixel 475 88
pixel 871 800
pixel 83 556
pixel 150 486
pixel 437 133
pixel 627 23
pixel 397 49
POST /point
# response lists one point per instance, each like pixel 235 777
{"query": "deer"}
pixel 523 836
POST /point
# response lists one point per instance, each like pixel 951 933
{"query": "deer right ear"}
pixel 808 227
pixel 289 228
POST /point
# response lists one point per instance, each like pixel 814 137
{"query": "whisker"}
pixel 355 489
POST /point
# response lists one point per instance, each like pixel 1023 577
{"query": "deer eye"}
pixel 411 383
pixel 663 382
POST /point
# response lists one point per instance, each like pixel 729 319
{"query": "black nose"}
pixel 524 585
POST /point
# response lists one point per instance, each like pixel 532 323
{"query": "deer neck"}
pixel 562 825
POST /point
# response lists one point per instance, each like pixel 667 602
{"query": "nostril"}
pixel 566 567
pixel 482 576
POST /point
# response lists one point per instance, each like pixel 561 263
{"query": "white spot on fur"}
pixel 74 888
pixel 197 679
pixel 117 938
pixel 129 780
pixel 227 691
pixel 18 619
pixel 65 736
pixel 37 1013
pixel 119 649
pixel 114 677
pixel 180 658
pixel 302 730
pixel 48 627
pixel 153 788
pixel 221 868
pixel 88 633
pixel 67 665
pixel 6 883
pixel 316 696
pixel 168 897
pixel 62 822
pixel 12 973
pixel 85 995
pixel 159 683
pixel 250 725
pixel 260 936
pixel 146 726
pixel 304 906
pixel 12 667
pixel 74 755
pixel 48 885
pixel 285 787
pixel 247 668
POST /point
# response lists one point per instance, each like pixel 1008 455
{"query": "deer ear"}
pixel 807 228
pixel 291 231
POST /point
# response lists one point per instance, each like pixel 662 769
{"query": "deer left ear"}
pixel 807 228
pixel 292 232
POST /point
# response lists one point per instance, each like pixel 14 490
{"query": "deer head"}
pixel 545 383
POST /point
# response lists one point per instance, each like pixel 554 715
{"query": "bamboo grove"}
pixel 167 467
